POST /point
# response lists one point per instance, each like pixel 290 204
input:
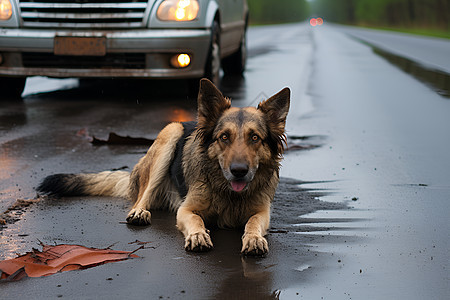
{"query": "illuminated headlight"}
pixel 180 60
pixel 5 10
pixel 177 10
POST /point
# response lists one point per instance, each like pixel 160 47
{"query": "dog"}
pixel 221 170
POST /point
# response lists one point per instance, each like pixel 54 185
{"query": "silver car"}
pixel 120 38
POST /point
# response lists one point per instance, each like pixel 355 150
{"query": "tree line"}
pixel 431 14
pixel 279 11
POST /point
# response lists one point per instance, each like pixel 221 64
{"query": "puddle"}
pixel 437 80
pixel 36 85
pixel 303 268
pixel 295 143
pixel 340 223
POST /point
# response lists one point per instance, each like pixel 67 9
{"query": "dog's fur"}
pixel 223 169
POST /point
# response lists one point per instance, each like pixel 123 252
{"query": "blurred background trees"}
pixel 419 16
pixel 278 11
pixel 426 14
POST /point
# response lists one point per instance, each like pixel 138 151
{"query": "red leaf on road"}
pixel 59 258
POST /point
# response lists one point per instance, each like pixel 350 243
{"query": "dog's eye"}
pixel 224 137
pixel 255 138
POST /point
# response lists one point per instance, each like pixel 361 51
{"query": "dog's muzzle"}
pixel 239 176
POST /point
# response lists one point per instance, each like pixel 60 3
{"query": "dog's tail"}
pixel 108 183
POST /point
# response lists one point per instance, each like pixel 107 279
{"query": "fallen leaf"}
pixel 115 139
pixel 58 258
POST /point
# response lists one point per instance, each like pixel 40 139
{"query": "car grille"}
pixel 109 61
pixel 83 13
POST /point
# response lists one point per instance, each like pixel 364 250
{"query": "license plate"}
pixel 81 46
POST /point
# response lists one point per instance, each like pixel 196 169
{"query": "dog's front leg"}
pixel 253 241
pixel 192 226
pixel 139 214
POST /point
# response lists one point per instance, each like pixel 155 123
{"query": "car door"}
pixel 233 14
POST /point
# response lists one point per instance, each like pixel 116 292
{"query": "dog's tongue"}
pixel 238 186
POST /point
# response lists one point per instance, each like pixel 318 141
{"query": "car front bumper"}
pixel 143 53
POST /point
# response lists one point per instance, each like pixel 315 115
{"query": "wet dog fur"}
pixel 222 170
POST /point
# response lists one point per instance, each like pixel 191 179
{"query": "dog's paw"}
pixel 254 245
pixel 198 242
pixel 139 216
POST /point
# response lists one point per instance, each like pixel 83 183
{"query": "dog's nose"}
pixel 239 170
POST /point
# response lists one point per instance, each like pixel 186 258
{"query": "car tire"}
pixel 213 62
pixel 235 63
pixel 12 88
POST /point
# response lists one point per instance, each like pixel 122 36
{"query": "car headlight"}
pixel 5 10
pixel 177 10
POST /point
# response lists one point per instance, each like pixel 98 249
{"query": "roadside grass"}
pixel 418 31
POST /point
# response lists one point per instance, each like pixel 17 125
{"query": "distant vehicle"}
pixel 185 39
pixel 316 21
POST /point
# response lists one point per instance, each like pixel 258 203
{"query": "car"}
pixel 183 39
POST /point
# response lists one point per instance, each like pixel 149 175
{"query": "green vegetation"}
pixel 280 11
pixel 426 17
pixel 430 17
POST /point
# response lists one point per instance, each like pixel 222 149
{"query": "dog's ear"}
pixel 276 109
pixel 211 104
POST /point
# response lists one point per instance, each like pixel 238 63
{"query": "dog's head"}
pixel 241 139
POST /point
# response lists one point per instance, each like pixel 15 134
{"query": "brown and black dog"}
pixel 224 169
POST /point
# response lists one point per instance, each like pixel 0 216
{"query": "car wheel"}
pixel 11 88
pixel 235 63
pixel 213 63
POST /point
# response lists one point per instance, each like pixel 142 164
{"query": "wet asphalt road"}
pixel 364 215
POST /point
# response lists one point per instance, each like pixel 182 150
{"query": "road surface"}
pixel 361 213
